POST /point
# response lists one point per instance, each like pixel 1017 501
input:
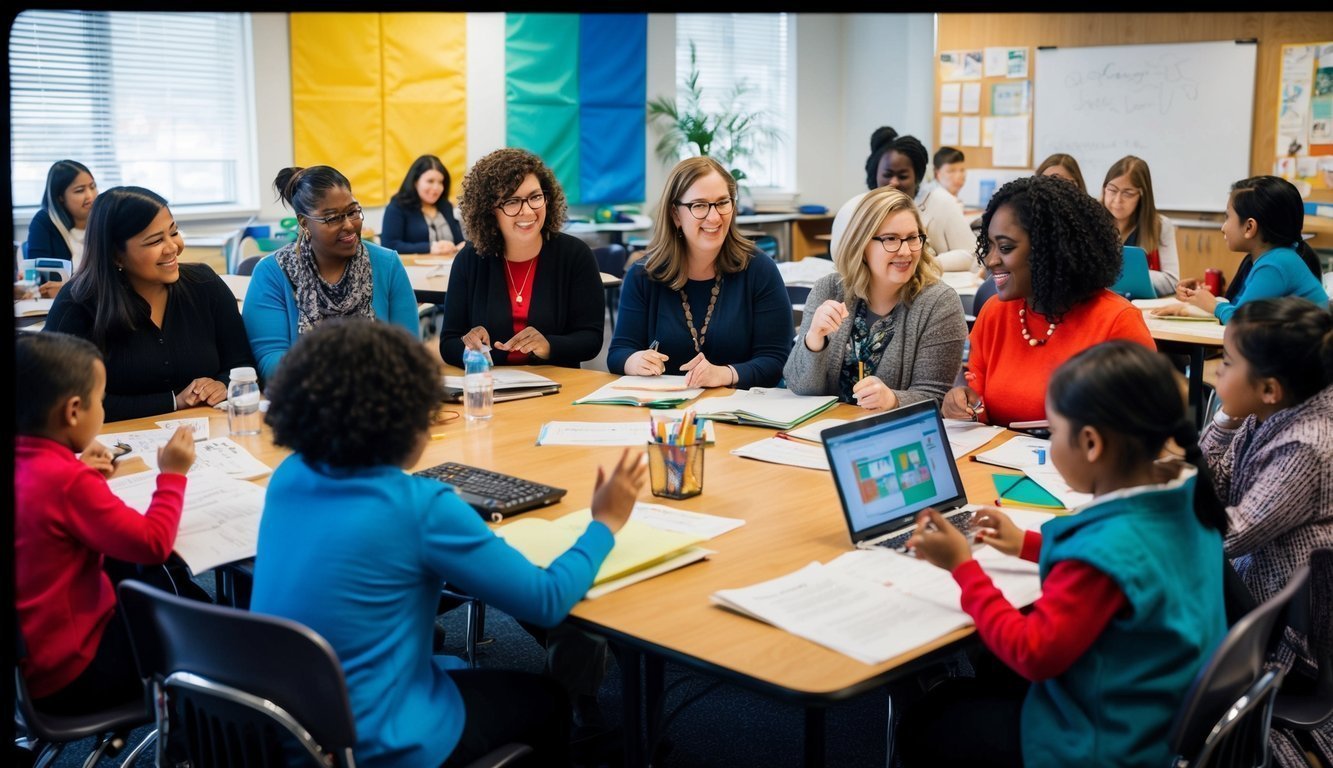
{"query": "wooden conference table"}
pixel 792 518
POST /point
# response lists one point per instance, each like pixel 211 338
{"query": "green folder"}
pixel 1021 491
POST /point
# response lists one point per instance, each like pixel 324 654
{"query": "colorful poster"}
pixel 1304 144
pixel 1018 63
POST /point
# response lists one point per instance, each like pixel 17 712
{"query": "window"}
pixel 157 100
pixel 755 49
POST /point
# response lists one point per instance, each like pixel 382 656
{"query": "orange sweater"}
pixel 1011 375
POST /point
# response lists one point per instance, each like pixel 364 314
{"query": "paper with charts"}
pixel 220 453
pixel 220 519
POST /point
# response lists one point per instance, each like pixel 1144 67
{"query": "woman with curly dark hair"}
pixel 420 218
pixel 1053 251
pixel 520 285
pixel 356 548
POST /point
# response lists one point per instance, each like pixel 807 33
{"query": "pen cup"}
pixel 676 471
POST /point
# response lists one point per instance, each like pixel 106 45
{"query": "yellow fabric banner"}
pixel 425 93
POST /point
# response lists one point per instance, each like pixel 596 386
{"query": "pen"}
pixel 653 347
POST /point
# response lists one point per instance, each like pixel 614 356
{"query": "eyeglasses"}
pixel 699 209
pixel 893 243
pixel 337 219
pixel 511 206
pixel 1129 194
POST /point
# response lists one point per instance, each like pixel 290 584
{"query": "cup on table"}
pixel 676 471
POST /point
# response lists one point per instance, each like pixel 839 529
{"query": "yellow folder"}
pixel 638 546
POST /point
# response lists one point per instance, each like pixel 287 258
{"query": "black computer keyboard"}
pixel 494 494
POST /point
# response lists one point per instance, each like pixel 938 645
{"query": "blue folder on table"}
pixel 1134 281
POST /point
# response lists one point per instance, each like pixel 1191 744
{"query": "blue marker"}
pixel 1041 455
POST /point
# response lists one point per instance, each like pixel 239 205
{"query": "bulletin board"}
pixel 1304 148
pixel 984 104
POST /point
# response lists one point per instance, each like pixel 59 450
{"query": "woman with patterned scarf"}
pixel 328 272
pixel 882 331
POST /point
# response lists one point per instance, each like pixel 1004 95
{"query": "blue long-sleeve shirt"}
pixel 751 327
pixel 359 556
pixel 271 316
pixel 1277 273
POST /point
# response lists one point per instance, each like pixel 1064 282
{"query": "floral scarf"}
pixel 316 299
pixel 866 345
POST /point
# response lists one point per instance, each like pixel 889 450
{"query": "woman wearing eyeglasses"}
pixel 521 285
pixel 705 301
pixel 1127 194
pixel 1053 252
pixel 328 272
pixel 882 331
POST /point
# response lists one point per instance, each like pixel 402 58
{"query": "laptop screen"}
pixel 889 467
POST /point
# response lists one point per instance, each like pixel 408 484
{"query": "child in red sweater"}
pixel 67 520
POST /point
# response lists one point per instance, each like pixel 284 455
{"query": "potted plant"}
pixel 732 135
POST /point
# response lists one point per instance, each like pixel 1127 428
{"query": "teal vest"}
pixel 1115 705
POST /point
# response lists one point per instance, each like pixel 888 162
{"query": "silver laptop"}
pixel 888 468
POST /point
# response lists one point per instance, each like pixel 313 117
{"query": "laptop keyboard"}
pixel 494 494
pixel 964 520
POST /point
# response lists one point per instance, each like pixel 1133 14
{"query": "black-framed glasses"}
pixel 336 220
pixel 513 205
pixel 893 243
pixel 699 209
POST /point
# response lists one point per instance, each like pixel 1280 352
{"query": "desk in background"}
pixel 1185 337
pixel 797 233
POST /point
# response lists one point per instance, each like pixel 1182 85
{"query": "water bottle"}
pixel 243 416
pixel 478 386
pixel 29 284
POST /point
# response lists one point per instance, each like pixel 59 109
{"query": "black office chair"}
pixel 611 260
pixel 247 267
pixel 47 735
pixel 1225 718
pixel 984 293
pixel 797 295
pixel 1310 614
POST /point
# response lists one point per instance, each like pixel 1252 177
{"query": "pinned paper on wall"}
pixel 971 129
pixel 949 97
pixel 1304 146
pixel 949 134
pixel 951 65
pixel 1010 147
pixel 972 65
pixel 987 132
pixel 997 62
pixel 971 98
pixel 1009 99
pixel 1018 63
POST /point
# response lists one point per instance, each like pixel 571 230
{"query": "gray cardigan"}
pixel 919 363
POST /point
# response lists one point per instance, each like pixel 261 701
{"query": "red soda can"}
pixel 1213 279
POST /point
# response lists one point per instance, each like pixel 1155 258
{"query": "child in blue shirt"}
pixel 356 548
pixel 1132 596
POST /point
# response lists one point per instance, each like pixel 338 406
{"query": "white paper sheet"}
pixel 1049 478
pixel 142 443
pixel 1010 142
pixel 197 425
pixel 971 128
pixel 971 102
pixel 641 390
pixel 226 456
pixel 949 98
pixel 967 436
pixel 1018 453
pixel 597 433
pixel 790 452
pixel 949 134
pixel 33 307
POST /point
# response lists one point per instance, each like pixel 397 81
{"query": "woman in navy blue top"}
pixel 705 301
pixel 420 218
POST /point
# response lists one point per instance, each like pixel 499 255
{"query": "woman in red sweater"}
pixel 1054 251
pixel 67 519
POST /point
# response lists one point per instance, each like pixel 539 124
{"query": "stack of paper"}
pixel 509 384
pixel 650 391
pixel 220 520
pixel 33 307
pixel 765 407
pixel 628 433
pixel 814 431
pixel 967 436
pixel 777 450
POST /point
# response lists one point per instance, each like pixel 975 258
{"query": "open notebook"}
pixel 765 407
pixel 650 391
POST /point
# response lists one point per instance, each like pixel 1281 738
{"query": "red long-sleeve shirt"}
pixel 1077 602
pixel 65 521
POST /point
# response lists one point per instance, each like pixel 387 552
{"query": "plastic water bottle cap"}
pixel 244 373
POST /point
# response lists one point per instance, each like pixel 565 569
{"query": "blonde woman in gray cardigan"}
pixel 882 331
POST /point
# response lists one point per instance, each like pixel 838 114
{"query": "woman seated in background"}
pixel 705 299
pixel 882 331
pixel 420 218
pixel 169 333
pixel 521 285
pixel 1264 219
pixel 1062 166
pixel 1127 194
pixel 328 272
pixel 57 229
pixel 900 162
pixel 1053 252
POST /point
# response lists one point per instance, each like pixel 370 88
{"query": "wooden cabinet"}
pixel 1200 244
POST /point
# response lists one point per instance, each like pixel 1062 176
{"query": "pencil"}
pixel 860 370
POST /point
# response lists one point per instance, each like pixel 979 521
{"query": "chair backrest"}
pixel 611 259
pixel 227 662
pixel 984 293
pixel 247 267
pixel 1225 716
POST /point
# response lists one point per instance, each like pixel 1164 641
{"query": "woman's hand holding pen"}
pixel 994 527
pixel 826 319
pixel 962 403
pixel 646 362
pixel 613 497
pixel 938 542
pixel 873 394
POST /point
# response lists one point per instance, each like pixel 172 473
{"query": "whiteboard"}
pixel 1185 108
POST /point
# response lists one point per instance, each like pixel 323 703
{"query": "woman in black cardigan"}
pixel 520 285
pixel 420 218
pixel 169 333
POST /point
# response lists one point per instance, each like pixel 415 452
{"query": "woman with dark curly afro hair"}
pixel 355 548
pixel 520 285
pixel 1053 251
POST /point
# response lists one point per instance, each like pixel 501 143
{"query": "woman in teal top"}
pixel 328 272
pixel 355 548
pixel 1132 600
pixel 1264 220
